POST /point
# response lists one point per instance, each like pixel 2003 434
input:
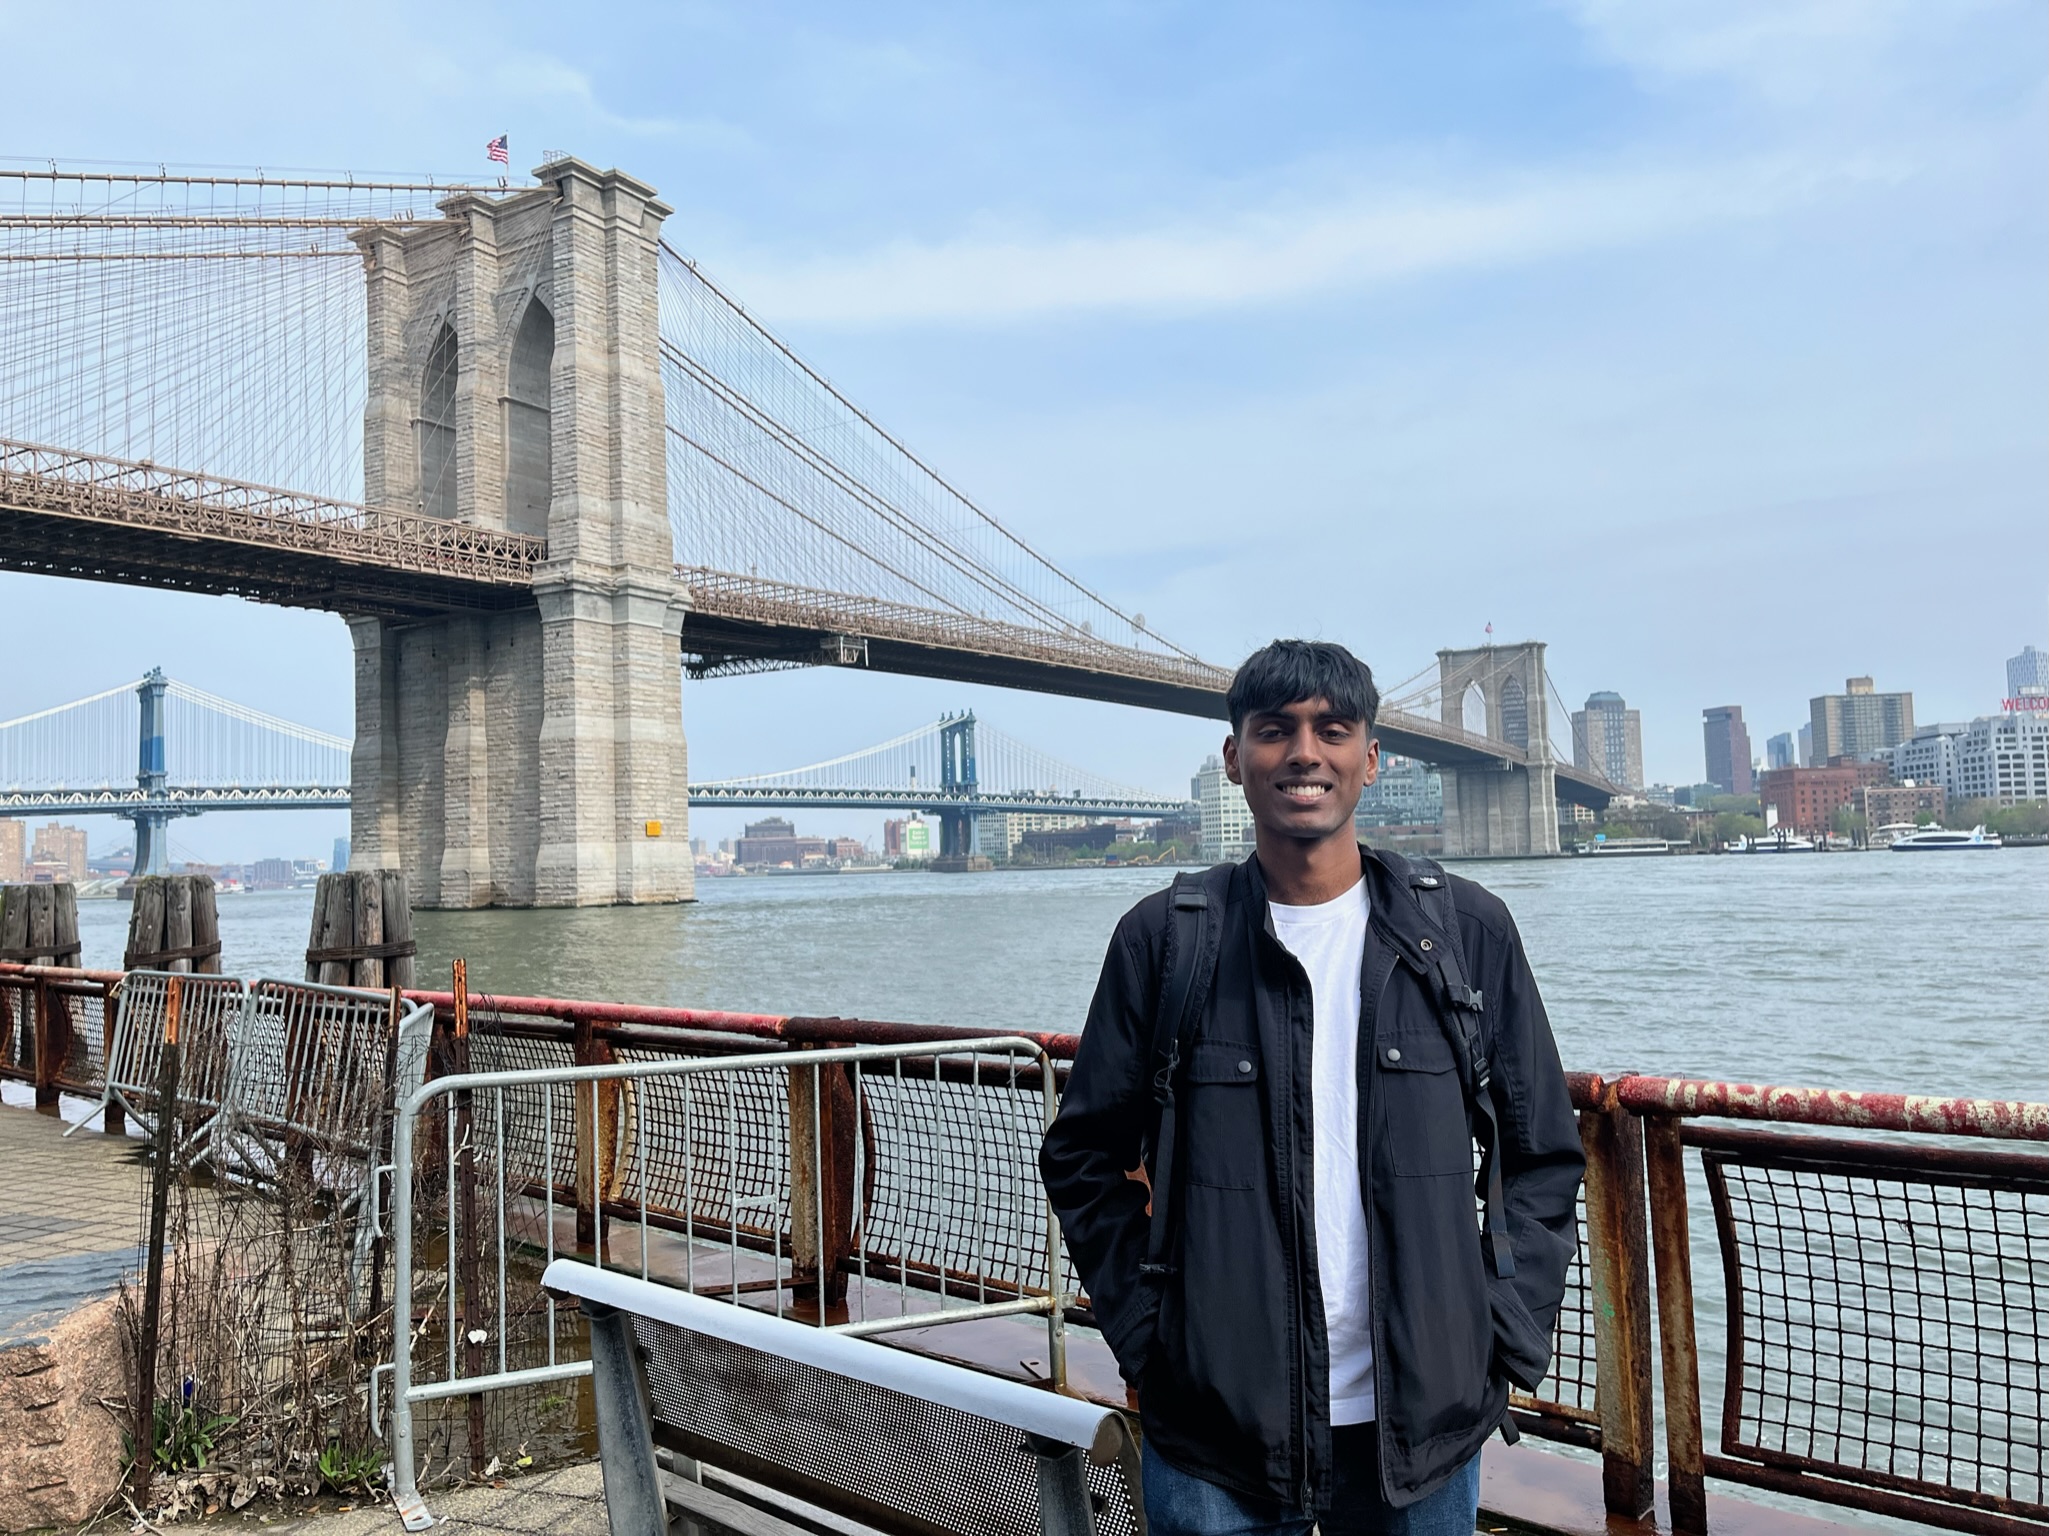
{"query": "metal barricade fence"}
pixel 210 1015
pixel 866 1189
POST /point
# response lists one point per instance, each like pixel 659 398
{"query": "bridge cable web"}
pixel 209 323
pixel 774 474
pixel 89 743
pixel 210 743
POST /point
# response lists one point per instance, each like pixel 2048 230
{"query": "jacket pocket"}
pixel 1223 1133
pixel 1427 1129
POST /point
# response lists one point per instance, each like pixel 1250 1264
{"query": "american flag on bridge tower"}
pixel 500 149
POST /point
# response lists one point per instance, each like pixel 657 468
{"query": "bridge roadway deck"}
pixel 137 523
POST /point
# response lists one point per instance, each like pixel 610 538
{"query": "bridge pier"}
pixel 533 756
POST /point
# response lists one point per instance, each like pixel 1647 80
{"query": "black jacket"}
pixel 1228 1352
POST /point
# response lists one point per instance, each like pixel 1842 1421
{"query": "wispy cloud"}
pixel 534 76
pixel 1279 254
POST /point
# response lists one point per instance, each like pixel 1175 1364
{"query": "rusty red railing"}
pixel 1873 1281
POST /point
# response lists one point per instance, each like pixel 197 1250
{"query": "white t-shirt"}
pixel 1330 941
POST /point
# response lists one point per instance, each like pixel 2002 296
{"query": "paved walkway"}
pixel 570 1502
pixel 71 1215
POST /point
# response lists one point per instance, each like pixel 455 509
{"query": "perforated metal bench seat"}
pixel 891 1439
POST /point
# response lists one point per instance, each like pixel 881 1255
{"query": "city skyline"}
pixel 1487 302
pixel 245 837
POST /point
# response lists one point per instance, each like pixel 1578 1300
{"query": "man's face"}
pixel 1302 768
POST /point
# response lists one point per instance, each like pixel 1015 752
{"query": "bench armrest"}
pixel 1089 1427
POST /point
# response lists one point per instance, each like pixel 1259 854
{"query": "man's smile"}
pixel 1305 792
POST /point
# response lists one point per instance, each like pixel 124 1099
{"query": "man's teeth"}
pixel 1305 791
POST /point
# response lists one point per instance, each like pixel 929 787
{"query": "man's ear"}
pixel 1372 760
pixel 1231 760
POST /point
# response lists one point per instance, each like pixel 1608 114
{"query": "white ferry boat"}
pixel 1778 840
pixel 1625 847
pixel 1941 839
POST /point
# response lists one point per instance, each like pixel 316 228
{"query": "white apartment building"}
pixel 2003 758
pixel 1929 756
pixel 1226 818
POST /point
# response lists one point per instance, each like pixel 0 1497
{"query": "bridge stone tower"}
pixel 1498 691
pixel 526 758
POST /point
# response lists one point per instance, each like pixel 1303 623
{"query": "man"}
pixel 1320 1329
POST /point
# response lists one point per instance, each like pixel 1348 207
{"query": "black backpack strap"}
pixel 1195 925
pixel 1461 1008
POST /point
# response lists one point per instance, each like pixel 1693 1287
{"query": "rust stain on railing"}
pixel 2006 1119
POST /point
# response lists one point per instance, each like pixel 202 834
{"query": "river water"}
pixel 1859 970
pixel 1864 970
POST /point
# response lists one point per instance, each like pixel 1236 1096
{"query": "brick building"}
pixel 1887 805
pixel 59 848
pixel 13 847
pixel 1808 798
pixel 774 841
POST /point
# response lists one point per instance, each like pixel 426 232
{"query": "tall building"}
pixel 13 845
pixel 1858 721
pixel 1778 751
pixel 1607 738
pixel 1728 748
pixel 1226 818
pixel 1407 794
pixel 1803 752
pixel 340 861
pixel 60 847
pixel 2027 678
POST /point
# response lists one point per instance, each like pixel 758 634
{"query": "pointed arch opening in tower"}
pixel 1473 710
pixel 529 465
pixel 1515 714
pixel 437 428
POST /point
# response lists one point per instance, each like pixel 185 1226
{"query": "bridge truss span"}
pixel 136 522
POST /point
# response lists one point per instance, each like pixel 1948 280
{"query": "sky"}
pixel 1702 340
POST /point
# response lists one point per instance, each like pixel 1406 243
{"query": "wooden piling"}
pixel 362 931
pixel 174 925
pixel 39 926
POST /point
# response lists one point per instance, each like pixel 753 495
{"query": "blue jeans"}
pixel 1178 1503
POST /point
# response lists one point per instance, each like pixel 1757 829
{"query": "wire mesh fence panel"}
pixel 1889 1316
pixel 951 1197
pixel 17 1028
pixel 86 1012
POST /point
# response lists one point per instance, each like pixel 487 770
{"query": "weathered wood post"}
pixel 362 933
pixel 39 926
pixel 174 925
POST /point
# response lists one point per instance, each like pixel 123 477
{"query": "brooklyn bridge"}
pixel 541 463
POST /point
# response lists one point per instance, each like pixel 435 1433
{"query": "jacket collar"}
pixel 1390 890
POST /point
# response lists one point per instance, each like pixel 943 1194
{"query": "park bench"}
pixel 860 1432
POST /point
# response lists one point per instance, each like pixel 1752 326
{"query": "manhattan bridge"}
pixel 544 466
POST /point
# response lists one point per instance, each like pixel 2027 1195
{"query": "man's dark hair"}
pixel 1289 671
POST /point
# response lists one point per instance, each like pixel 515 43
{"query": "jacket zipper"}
pixel 1369 1029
